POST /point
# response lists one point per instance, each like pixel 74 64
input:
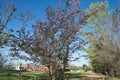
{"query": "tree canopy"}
pixel 103 50
pixel 56 40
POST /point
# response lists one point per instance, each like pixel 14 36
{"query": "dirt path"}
pixel 91 76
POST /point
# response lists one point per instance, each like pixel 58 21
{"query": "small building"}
pixel 17 67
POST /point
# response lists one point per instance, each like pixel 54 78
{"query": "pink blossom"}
pixel 75 2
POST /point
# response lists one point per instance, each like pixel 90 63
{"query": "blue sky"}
pixel 38 7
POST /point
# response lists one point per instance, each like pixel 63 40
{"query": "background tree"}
pixel 103 50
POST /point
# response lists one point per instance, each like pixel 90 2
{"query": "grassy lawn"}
pixel 13 75
pixel 75 74
pixel 6 75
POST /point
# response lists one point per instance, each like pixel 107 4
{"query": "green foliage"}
pixel 86 68
pixel 96 22
pixel 103 51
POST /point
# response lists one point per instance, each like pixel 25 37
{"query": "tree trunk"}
pixel 59 74
pixel 66 58
pixel 50 72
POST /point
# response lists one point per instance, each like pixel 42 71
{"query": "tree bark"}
pixel 50 72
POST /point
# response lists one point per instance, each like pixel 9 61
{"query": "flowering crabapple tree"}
pixel 55 40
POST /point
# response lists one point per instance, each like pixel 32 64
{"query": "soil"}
pixel 91 76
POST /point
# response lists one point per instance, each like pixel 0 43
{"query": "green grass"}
pixel 13 75
pixel 33 75
pixel 75 74
pixel 8 75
